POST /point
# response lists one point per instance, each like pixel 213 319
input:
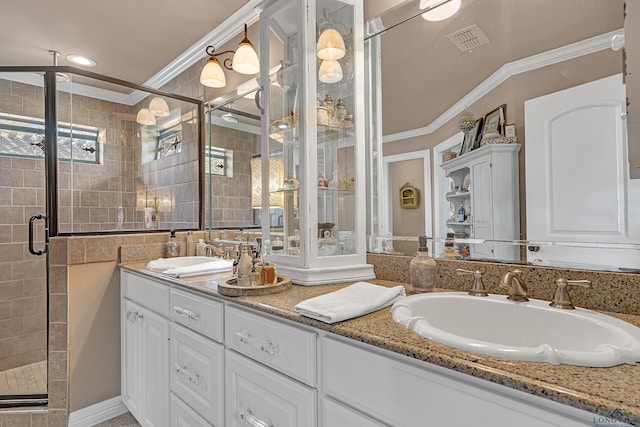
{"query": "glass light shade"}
pixel 145 117
pixel 330 71
pixel 245 60
pixel 441 12
pixel 330 45
pixel 159 107
pixel 212 74
pixel 276 178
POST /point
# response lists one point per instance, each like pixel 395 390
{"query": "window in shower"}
pixel 24 137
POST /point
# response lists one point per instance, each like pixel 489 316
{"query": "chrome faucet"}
pixel 562 299
pixel 212 251
pixel 517 288
pixel 477 289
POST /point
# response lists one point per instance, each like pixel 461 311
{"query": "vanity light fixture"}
pixel 330 71
pixel 438 10
pixel 81 60
pixel 330 45
pixel 159 107
pixel 245 61
pixel 145 117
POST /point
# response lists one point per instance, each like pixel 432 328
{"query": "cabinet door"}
pixel 131 357
pixel 337 414
pixel 183 416
pixel 155 368
pixel 481 207
pixel 197 373
pixel 258 396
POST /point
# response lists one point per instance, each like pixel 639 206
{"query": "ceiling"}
pixel 424 74
pixel 129 40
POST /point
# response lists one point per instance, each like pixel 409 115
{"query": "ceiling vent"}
pixel 468 38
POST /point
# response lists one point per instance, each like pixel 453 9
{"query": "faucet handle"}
pixel 562 299
pixel 477 289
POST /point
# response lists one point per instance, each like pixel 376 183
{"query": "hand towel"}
pixel 218 266
pixel 355 300
pixel 166 263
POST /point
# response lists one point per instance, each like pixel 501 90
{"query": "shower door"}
pixel 23 263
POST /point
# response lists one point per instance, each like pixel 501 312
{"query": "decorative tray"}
pixel 231 289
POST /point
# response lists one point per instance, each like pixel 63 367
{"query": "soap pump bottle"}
pixel 423 268
pixel 201 248
pixel 173 247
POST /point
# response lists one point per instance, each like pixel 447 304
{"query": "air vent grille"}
pixel 468 38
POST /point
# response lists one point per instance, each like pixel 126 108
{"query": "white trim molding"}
pixel 97 413
pixel 554 56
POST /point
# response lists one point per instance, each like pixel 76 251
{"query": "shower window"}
pixel 24 137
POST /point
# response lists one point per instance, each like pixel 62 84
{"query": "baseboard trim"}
pixel 97 413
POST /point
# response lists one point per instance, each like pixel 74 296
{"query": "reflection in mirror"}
pixel 496 52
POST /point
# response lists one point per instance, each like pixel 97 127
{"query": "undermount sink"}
pixel 528 331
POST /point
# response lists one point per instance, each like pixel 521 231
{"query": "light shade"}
pixel 330 71
pixel 245 60
pixel 212 74
pixel 441 12
pixel 159 107
pixel 276 178
pixel 145 117
pixel 330 45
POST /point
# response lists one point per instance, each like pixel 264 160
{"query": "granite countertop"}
pixel 594 390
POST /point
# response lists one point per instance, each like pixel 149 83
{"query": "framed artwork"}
pixel 510 131
pixel 409 196
pixel 494 123
pixel 476 134
pixel 471 137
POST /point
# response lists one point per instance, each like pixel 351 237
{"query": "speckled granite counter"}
pixel 592 389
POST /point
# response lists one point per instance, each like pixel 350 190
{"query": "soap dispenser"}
pixel 423 268
pixel 173 247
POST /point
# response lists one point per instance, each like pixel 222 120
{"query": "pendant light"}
pixel 245 61
pixel 145 117
pixel 330 71
pixel 330 45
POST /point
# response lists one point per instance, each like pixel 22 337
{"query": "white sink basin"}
pixel 529 331
pixel 178 262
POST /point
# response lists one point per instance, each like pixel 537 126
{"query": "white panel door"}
pixel 155 365
pixel 577 182
pixel 131 358
pixel 482 207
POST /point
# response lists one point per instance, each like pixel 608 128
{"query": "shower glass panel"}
pixel 130 161
pixel 23 275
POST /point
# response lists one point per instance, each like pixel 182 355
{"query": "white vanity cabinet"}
pixel 486 183
pixel 145 349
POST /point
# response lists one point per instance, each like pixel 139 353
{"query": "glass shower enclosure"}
pixel 81 153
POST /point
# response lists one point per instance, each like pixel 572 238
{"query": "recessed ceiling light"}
pixel 230 118
pixel 81 60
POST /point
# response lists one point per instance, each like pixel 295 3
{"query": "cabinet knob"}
pixel 533 248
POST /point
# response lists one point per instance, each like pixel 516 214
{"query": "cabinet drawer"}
pixel 398 392
pixel 201 314
pixel 183 416
pixel 288 349
pixel 197 373
pixel 258 396
pixel 146 292
pixel 337 414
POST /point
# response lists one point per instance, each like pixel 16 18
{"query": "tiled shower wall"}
pixel 231 196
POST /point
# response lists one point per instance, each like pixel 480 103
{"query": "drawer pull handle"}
pixel 188 314
pixel 183 372
pixel 265 347
pixel 252 420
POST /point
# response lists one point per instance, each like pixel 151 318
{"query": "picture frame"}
pixel 494 123
pixel 510 131
pixel 470 141
pixel 476 133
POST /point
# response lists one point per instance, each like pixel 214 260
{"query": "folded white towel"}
pixel 166 263
pixel 218 266
pixel 355 300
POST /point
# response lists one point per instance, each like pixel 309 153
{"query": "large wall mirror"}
pixel 530 57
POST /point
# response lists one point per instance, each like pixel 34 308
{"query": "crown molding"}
pixel 564 53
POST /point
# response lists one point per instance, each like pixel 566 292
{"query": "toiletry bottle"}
pixel 191 250
pixel 422 269
pixel 449 247
pixel 245 265
pixel 461 213
pixel 200 248
pixel 173 247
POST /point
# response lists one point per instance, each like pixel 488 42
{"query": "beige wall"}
pixel 94 333
pixel 514 92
